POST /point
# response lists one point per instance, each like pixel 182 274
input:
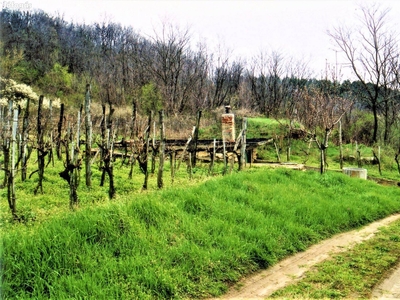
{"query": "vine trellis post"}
pixel 23 147
pixel 162 151
pixel 41 151
pixel 11 173
pixel 88 138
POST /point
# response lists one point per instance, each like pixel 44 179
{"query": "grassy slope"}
pixel 186 242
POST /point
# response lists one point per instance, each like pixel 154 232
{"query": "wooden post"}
pixel 11 186
pixel 78 129
pixel 133 120
pixel 210 171
pixel 74 167
pixel 358 155
pixel 59 130
pixel 6 144
pixel 25 125
pixel 289 142
pixel 88 138
pixel 162 150
pixel 146 153
pixel 224 156
pixel 172 165
pixel 40 147
pixel 243 145
pixel 109 162
pixel 103 151
pixel 195 138
pixel 50 120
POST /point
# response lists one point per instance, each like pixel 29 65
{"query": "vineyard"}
pixel 146 163
pixel 39 134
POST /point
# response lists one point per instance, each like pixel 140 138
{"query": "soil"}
pixel 290 270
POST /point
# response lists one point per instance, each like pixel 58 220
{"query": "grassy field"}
pixel 194 238
pixel 186 241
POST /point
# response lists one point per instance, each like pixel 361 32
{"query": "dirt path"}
pixel 264 283
pixel 390 287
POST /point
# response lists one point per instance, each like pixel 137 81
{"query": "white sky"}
pixel 295 28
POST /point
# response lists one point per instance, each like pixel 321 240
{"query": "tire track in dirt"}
pixel 390 287
pixel 291 269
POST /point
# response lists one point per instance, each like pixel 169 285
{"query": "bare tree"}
pixel 368 50
pixel 226 76
pixel 319 112
pixel 265 78
pixel 166 63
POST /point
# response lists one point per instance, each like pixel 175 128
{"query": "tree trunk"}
pixel 378 159
pixel 375 131
pixel 323 147
pixel 340 145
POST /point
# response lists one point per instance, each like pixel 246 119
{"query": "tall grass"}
pixel 183 242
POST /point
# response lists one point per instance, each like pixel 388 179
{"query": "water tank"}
pixel 356 172
pixel 228 125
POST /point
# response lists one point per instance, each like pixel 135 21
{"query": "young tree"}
pixel 319 112
pixel 368 50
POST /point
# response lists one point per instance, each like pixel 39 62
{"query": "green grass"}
pixel 185 241
pixel 263 127
pixel 352 274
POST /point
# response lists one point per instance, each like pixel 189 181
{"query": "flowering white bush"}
pixel 10 90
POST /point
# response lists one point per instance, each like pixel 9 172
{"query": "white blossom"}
pixel 19 93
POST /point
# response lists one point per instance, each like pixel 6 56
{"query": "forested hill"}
pixel 60 57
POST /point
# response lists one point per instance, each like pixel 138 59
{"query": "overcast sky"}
pixel 295 28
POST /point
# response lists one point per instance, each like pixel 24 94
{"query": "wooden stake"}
pixel 162 151
pixel 210 171
pixel 144 161
pixel 88 138
pixel 25 124
pixel 243 145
